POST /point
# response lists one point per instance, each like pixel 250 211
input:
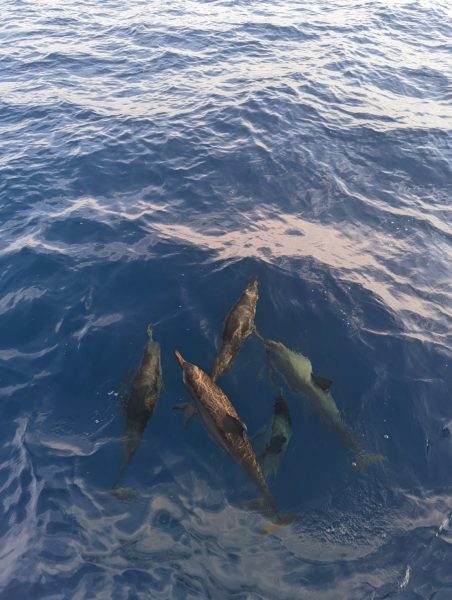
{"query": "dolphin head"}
pixel 272 346
pixel 269 345
pixel 179 357
pixel 274 350
pixel 253 284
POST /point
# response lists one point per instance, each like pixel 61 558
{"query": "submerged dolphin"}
pixel 220 419
pixel 238 325
pixel 141 400
pixel 271 441
pixel 296 369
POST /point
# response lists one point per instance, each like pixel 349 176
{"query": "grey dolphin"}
pixel 221 421
pixel 296 369
pixel 271 441
pixel 141 400
pixel 238 325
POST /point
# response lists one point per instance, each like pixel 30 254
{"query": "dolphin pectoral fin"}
pixel 280 520
pixel 322 382
pixel 189 411
pixel 270 373
pixel 231 424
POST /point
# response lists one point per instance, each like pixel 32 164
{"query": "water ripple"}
pixel 153 157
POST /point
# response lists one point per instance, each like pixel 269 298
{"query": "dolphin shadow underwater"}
pixel 296 370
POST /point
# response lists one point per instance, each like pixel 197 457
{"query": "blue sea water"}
pixel 153 157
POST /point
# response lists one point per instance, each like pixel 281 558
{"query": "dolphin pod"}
pixel 217 413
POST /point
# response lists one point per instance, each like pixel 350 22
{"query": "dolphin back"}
pixel 140 402
pixel 221 421
pixel 238 325
pixel 271 441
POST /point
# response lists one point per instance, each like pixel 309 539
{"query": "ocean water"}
pixel 153 157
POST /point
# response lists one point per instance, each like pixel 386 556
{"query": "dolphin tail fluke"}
pixel 131 443
pixel 280 520
pixel 267 508
pixel 125 494
pixel 122 470
pixel 222 361
pixel 364 459
pixel 214 373
pixel 149 329
pixel 263 504
pixel 257 504
pixel 117 479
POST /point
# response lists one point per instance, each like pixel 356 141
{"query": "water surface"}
pixel 155 156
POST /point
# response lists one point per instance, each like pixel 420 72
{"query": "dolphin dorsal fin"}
pixel 232 424
pixel 276 444
pixel 322 382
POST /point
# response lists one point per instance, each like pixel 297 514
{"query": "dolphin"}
pixel 238 325
pixel 220 419
pixel 141 400
pixel 271 441
pixel 296 370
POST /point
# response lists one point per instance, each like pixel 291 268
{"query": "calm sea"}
pixel 153 157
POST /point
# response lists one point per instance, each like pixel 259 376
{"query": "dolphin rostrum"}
pixel 141 400
pixel 238 325
pixel 296 369
pixel 271 441
pixel 220 419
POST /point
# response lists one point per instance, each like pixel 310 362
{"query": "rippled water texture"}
pixel 154 156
